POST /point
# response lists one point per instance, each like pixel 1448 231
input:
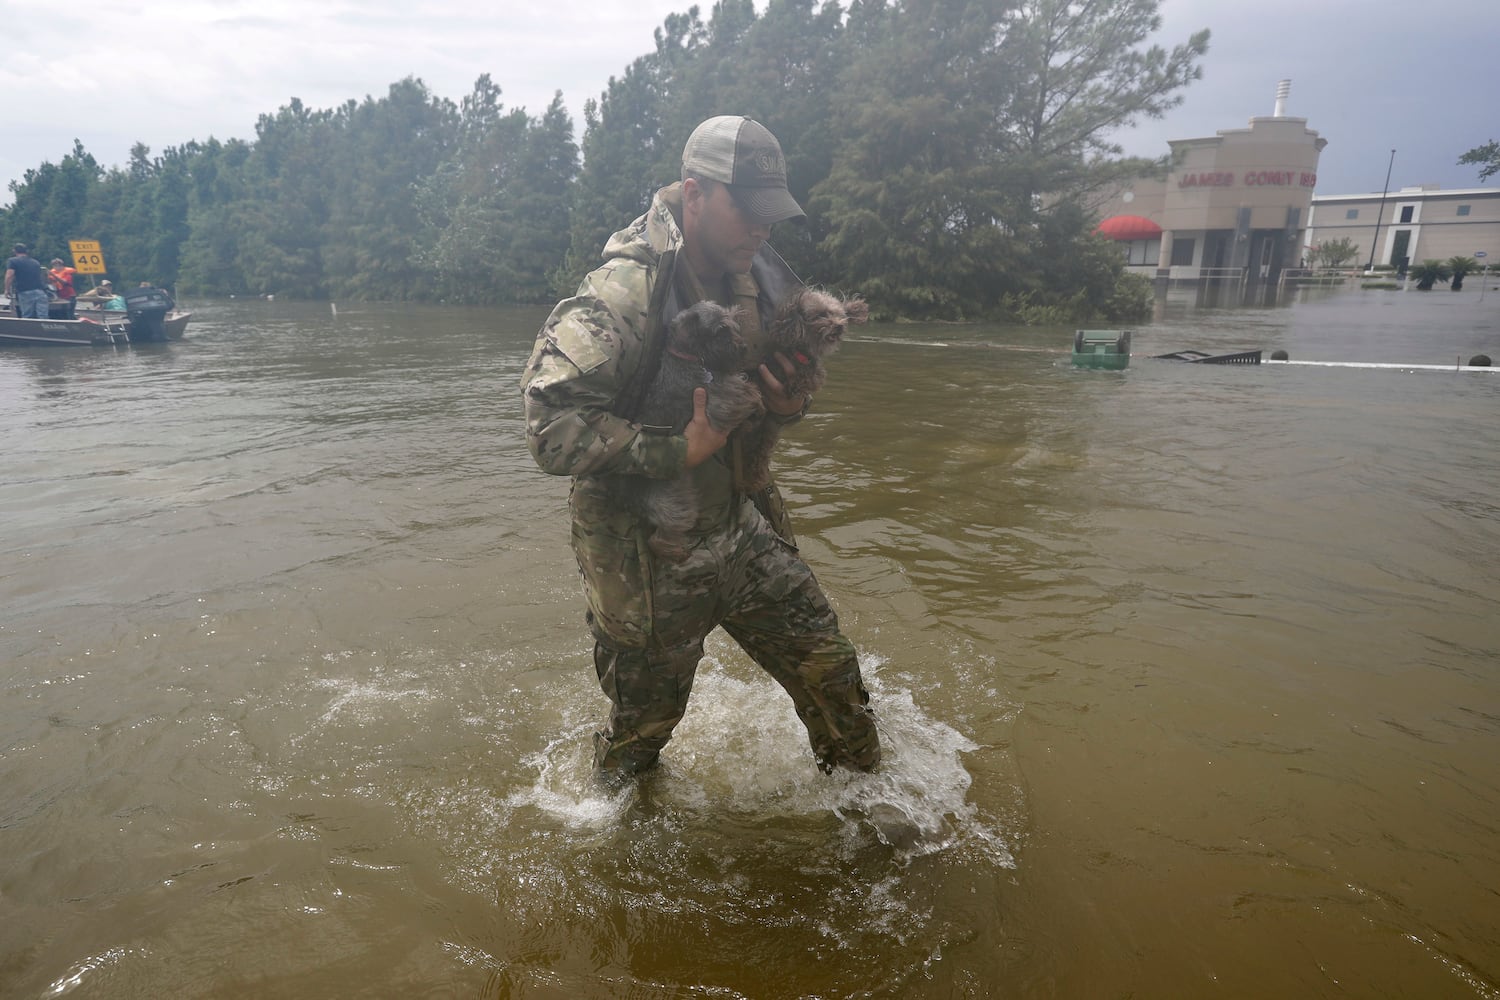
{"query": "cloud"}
pixel 1368 76
pixel 170 72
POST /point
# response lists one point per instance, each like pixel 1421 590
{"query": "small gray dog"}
pixel 704 348
pixel 809 326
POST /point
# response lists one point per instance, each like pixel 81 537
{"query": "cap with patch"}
pixel 742 153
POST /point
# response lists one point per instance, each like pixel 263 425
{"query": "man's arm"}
pixel 579 366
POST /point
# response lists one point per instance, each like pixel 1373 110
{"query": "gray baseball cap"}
pixel 742 153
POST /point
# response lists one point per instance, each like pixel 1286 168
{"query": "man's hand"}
pixel 774 392
pixel 703 438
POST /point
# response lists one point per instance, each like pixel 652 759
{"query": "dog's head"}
pixel 825 318
pixel 709 334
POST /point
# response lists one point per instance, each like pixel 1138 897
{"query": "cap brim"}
pixel 767 206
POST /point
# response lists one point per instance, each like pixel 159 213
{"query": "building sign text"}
pixel 1251 178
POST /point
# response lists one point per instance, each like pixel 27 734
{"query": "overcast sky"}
pixel 1368 75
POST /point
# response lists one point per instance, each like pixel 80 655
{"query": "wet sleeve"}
pixel 569 390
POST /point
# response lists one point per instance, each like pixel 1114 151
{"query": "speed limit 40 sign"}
pixel 87 258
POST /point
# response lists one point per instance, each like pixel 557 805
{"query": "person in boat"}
pixel 702 238
pixel 26 284
pixel 104 296
pixel 62 281
pixel 98 293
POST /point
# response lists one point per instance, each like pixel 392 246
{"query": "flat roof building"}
pixel 1238 207
pixel 1234 205
pixel 1414 224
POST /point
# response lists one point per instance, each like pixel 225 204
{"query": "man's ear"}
pixel 694 195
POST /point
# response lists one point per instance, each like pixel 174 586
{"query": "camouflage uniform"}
pixel 649 617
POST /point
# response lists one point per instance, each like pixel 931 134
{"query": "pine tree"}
pixel 536 204
pixel 964 125
pixel 622 146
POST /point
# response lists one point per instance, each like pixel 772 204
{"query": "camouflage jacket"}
pixel 599 349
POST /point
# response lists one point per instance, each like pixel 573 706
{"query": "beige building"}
pixel 1418 223
pixel 1234 206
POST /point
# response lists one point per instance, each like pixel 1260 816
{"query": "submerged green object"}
pixel 1101 349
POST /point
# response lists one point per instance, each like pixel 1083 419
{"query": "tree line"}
pixel 943 150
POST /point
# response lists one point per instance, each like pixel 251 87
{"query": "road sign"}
pixel 1480 254
pixel 87 258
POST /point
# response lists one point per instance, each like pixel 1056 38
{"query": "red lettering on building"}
pixel 1207 179
pixel 1251 178
pixel 1280 178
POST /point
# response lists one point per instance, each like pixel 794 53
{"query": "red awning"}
pixel 1128 227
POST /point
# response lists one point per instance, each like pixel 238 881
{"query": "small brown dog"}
pixel 704 348
pixel 809 326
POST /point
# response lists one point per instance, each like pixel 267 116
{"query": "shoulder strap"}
pixel 774 277
pixel 633 394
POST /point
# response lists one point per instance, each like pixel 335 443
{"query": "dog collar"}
pixel 708 376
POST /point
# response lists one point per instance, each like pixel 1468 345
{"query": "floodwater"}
pixel 1189 676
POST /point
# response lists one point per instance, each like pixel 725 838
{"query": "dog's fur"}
pixel 704 348
pixel 809 326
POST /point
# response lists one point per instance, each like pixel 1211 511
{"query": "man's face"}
pixel 718 231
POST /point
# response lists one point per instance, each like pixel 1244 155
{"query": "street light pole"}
pixel 1374 240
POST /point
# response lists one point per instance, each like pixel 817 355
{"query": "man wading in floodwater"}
pixel 703 238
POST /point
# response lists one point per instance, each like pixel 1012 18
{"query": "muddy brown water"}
pixel 1189 676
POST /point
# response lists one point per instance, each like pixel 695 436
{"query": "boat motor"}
pixel 147 309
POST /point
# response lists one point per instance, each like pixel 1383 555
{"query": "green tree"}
pixel 1430 271
pixel 1486 157
pixel 963 126
pixel 458 204
pixel 622 144
pixel 76 176
pixel 1458 267
pixel 1334 253
pixel 49 205
pixel 211 248
pixel 379 151
pixel 169 228
pixel 280 221
pixel 495 214
pixel 943 150
pixel 536 204
pixel 127 233
pixel 780 69
pixel 911 203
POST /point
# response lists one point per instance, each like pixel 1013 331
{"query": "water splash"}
pixel 736 852
pixel 741 751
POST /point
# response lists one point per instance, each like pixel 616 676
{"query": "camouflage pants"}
pixel 650 618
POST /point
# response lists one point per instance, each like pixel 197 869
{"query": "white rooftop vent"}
pixel 1282 90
